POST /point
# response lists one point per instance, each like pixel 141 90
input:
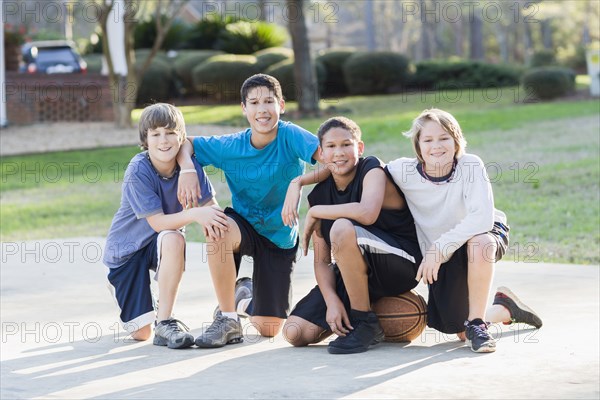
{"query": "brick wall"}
pixel 36 98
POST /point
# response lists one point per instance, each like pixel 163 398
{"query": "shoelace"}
pixel 217 324
pixel 176 326
pixel 481 331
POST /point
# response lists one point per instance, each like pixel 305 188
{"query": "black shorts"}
pixel 391 271
pixel 272 272
pixel 448 302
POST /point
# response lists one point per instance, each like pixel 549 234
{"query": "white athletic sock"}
pixel 242 305
pixel 232 315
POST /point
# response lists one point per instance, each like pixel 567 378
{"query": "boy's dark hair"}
pixel 160 115
pixel 339 122
pixel 259 80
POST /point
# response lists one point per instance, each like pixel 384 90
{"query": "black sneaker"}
pixel 173 334
pixel 519 312
pixel 478 337
pixel 222 331
pixel 366 332
pixel 243 290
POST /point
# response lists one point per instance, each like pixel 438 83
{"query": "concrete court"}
pixel 61 339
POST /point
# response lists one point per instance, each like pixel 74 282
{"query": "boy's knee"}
pixel 173 242
pixel 482 248
pixel 342 228
pixel 142 334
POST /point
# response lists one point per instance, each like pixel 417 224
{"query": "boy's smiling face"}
pixel 262 109
pixel 163 146
pixel 340 151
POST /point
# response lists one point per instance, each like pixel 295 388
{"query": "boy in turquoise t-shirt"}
pixel 259 164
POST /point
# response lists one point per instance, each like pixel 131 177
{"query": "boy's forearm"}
pixel 359 212
pixel 184 157
pixel 311 177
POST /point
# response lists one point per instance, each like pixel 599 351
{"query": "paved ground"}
pixel 61 339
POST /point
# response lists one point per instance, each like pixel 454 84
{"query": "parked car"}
pixel 51 57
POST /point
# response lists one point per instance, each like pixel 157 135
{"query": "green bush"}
pixel 463 74
pixel 157 83
pixel 547 83
pixel 205 33
pixel 543 58
pixel 333 60
pixel 245 37
pixel 375 72
pixel 185 63
pixel 142 54
pixel 271 56
pixel 284 72
pixel 145 33
pixel 221 77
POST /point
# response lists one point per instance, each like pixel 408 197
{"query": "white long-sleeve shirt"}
pixel 450 213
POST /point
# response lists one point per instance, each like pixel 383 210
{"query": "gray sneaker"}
pixel 243 290
pixel 173 334
pixel 222 331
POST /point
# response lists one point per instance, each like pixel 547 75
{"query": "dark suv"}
pixel 51 57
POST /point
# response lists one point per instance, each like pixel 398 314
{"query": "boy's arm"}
pixel 364 212
pixel 212 218
pixel 336 315
pixel 188 186
pixel 289 212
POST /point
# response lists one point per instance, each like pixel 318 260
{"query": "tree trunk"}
pixel 370 26
pixel 546 27
pixel 304 72
pixel 476 38
pixel 459 38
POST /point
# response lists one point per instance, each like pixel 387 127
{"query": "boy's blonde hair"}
pixel 339 122
pixel 161 115
pixel 446 121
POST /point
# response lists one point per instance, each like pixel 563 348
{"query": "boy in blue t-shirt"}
pixel 259 164
pixel 146 232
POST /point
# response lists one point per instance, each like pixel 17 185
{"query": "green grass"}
pixel 547 154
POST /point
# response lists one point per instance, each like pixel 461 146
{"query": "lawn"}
pixel 543 159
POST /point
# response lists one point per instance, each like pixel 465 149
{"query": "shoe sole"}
pixel 482 349
pixel 158 341
pixel 214 346
pixel 508 293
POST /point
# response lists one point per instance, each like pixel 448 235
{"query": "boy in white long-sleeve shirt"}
pixel 461 233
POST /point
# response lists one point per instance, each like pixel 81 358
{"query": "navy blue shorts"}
pixel 272 272
pixel 130 285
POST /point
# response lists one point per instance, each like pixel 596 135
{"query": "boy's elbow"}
pixel 367 216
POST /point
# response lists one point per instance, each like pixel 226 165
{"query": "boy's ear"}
pixel 282 106
pixel 361 148
pixel 243 108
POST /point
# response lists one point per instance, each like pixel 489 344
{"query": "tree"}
pixel 126 86
pixel 304 71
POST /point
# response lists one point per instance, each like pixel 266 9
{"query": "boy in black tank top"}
pixel 365 245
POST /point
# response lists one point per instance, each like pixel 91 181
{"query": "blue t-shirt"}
pixel 258 178
pixel 144 193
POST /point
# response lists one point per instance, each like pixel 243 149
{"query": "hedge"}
pixel 375 72
pixel 284 73
pixel 221 77
pixel 333 60
pixel 547 83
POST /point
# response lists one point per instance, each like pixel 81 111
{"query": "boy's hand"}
pixel 214 221
pixel 337 318
pixel 311 224
pixel 429 268
pixel 289 213
pixel 188 190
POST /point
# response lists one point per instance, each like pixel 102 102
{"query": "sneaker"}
pixel 519 312
pixel 367 331
pixel 243 290
pixel 478 337
pixel 222 331
pixel 173 334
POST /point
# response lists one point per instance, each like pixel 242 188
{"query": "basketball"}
pixel 403 317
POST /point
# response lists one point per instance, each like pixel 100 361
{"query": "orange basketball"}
pixel 403 317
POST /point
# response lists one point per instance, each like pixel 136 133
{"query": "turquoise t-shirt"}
pixel 258 178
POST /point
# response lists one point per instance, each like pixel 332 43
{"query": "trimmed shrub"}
pixel 245 37
pixel 221 77
pixel 543 58
pixel 205 33
pixel 284 73
pixel 271 56
pixel 463 74
pixel 547 83
pixel 185 63
pixel 157 84
pixel 333 60
pixel 142 54
pixel 375 72
pixel 94 62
